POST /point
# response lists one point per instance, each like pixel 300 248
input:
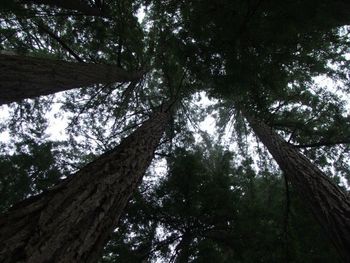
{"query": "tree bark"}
pixel 24 77
pixel 75 5
pixel 328 203
pixel 73 221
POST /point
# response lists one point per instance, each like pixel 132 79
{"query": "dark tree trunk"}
pixel 340 10
pixel 28 77
pixel 73 221
pixel 75 5
pixel 328 203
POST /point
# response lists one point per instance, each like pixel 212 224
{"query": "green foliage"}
pixel 29 171
pixel 206 209
pixel 213 205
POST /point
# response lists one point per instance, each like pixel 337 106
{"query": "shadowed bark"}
pixel 73 221
pixel 328 203
pixel 24 77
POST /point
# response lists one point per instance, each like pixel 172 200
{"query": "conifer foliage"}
pixel 126 78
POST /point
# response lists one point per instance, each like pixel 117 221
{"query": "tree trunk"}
pixel 75 5
pixel 24 77
pixel 73 221
pixel 328 203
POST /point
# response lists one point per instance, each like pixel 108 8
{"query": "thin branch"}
pixel 127 94
pixel 98 142
pixel 59 40
pixel 30 35
pixel 8 36
pixel 323 143
pixel 161 244
pixel 174 256
pixel 194 125
pixel 125 130
pixel 292 134
pixel 75 5
pixel 85 107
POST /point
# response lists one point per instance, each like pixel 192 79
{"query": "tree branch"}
pixel 323 143
pixel 59 40
pixel 75 5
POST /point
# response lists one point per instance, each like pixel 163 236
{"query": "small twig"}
pixel 292 134
pixel 75 119
pixel 194 125
pixel 161 244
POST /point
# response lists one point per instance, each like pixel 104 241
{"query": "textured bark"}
pixel 72 221
pixel 328 203
pixel 27 77
pixel 75 5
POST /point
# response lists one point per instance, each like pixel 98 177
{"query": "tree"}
pixel 86 207
pixel 262 52
pixel 328 203
pixel 260 62
pixel 27 77
pixel 210 207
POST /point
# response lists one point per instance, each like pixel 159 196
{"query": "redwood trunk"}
pixel 328 203
pixel 24 77
pixel 73 221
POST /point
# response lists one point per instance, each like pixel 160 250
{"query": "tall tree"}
pixel 265 52
pixel 210 207
pixel 27 77
pixel 72 221
pixel 263 46
pixel 328 203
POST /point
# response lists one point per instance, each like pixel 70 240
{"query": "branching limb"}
pixel 59 40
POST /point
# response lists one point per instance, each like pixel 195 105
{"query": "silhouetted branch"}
pixel 323 143
pixel 59 40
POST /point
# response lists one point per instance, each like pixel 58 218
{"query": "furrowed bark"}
pixel 73 221
pixel 328 203
pixel 24 77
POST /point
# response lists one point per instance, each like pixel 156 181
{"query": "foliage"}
pixel 213 204
pixel 205 211
pixel 33 168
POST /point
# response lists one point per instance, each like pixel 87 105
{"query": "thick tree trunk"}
pixel 75 5
pixel 24 77
pixel 328 203
pixel 340 10
pixel 73 221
